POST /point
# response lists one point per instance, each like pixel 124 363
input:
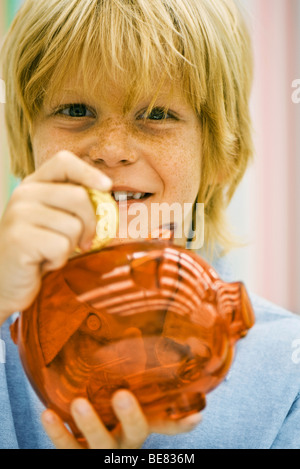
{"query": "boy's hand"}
pixel 131 434
pixel 47 217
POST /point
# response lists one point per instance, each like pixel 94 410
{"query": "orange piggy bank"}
pixel 146 316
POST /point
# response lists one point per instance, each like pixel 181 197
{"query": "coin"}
pixel 107 214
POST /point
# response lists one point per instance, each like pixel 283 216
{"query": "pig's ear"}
pixel 60 315
pixel 144 270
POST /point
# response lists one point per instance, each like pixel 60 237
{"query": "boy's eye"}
pixel 157 114
pixel 75 110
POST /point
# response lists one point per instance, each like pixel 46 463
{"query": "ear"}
pixel 60 315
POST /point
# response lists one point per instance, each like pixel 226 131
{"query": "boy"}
pixel 150 99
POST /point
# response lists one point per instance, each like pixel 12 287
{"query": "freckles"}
pixel 187 171
pixel 178 160
pixel 180 172
pixel 47 143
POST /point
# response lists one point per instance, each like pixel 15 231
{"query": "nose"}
pixel 113 146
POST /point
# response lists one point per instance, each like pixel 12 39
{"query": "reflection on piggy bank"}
pixel 146 316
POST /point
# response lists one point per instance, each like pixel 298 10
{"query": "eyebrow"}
pixel 69 95
pixel 65 92
pixel 66 96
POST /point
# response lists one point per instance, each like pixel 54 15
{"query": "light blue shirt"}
pixel 256 407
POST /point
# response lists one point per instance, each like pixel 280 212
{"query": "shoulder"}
pixel 267 313
pixel 270 312
pixel 279 326
pixel 271 350
pixel 276 330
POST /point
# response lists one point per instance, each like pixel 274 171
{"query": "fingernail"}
pixel 123 401
pixel 49 417
pixel 193 420
pixel 81 407
pixel 106 183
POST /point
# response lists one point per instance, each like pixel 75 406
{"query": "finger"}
pixel 51 250
pixel 53 220
pixel 90 425
pixel 57 432
pixel 68 198
pixel 67 167
pixel 135 428
pixel 171 427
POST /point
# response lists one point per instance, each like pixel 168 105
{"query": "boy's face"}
pixel 154 158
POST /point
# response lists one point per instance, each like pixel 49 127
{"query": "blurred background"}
pixel 265 210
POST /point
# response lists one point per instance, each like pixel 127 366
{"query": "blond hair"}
pixel 202 44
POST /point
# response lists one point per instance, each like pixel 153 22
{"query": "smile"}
pixel 124 196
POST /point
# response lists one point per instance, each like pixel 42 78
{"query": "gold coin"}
pixel 107 214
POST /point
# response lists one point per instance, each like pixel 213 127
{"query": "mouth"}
pixel 130 196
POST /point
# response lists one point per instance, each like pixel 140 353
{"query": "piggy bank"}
pixel 147 316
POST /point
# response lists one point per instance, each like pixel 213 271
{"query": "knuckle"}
pixel 20 193
pixel 15 196
pixel 62 250
pixel 63 246
pixel 76 227
pixel 80 195
pixel 90 427
pixel 13 212
pixel 25 193
pixel 16 213
pixel 63 157
pixel 60 440
pixel 20 211
pixel 136 432
pixel 15 234
pixel 134 443
pixel 20 208
pixel 85 209
pixel 59 435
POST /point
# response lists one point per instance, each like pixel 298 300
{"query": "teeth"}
pixel 139 195
pixel 122 196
